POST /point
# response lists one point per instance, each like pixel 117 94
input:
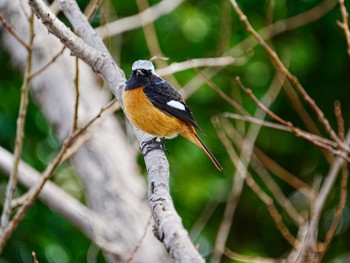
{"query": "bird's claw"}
pixel 155 143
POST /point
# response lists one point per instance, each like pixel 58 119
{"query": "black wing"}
pixel 161 93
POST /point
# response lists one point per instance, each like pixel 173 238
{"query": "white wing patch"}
pixel 177 105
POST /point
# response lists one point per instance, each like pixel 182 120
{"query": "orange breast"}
pixel 146 117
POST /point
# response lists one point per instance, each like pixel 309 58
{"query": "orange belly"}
pixel 146 117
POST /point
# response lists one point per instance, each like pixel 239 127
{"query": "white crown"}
pixel 143 64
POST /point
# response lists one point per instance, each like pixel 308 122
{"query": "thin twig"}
pixel 261 163
pixel 225 27
pixel 296 254
pixel 276 28
pixel 12 183
pixel 14 33
pixel 34 257
pixel 320 202
pixel 40 70
pixel 33 193
pixel 305 117
pixel 284 175
pixel 235 104
pixel 232 199
pixel 77 94
pixel 265 176
pixel 132 22
pixel 338 212
pixel 276 216
pixel 70 145
pixel 249 259
pixel 343 186
pixel 275 126
pixel 78 138
pixel 91 9
pixel 196 63
pixel 345 24
pixel 134 251
pixel 245 157
pixel 205 215
pixel 340 120
pixel 296 131
pixel 282 68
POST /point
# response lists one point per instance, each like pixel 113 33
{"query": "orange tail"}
pixel 193 137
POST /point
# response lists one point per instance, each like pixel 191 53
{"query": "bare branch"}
pixel 304 115
pixel 272 210
pixel 12 183
pixel 234 196
pixel 299 133
pixel 241 169
pixel 135 21
pixel 343 186
pixel 242 258
pixel 33 193
pixel 91 224
pixel 345 24
pixel 14 33
pixel 34 74
pixel 76 104
pixel 275 126
pixel 196 63
pixel 319 203
pixel 235 104
pixel 338 212
pixel 34 257
pixel 92 8
pixel 273 30
pixel 281 67
pixel 284 175
pixel 132 254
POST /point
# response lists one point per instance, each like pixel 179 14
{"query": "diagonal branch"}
pixel 88 221
pixel 132 22
pixel 321 143
pixel 345 24
pixel 11 186
pixel 14 33
pixel 319 204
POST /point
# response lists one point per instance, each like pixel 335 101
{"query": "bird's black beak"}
pixel 139 72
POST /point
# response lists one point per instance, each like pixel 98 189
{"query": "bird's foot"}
pixel 155 143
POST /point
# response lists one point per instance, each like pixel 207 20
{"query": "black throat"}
pixel 141 77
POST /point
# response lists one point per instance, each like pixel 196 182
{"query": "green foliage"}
pixel 315 53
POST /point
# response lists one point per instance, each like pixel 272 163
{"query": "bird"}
pixel 155 107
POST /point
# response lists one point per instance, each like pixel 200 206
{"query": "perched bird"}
pixel 156 108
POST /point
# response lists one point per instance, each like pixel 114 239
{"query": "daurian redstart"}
pixel 156 108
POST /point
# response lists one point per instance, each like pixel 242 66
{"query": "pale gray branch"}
pixel 196 63
pixel 93 225
pixel 132 22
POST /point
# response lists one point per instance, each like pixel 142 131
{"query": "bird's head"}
pixel 143 67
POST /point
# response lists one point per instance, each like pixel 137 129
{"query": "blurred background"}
pixel 314 51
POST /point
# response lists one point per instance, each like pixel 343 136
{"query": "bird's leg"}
pixel 155 143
